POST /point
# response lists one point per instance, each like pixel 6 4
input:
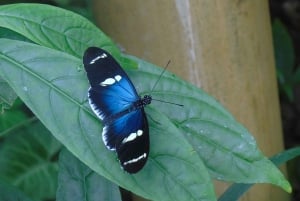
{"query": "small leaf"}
pixel 288 90
pixel 25 160
pixel 284 50
pixel 78 182
pixel 7 94
pixel 285 156
pixel 10 117
pixel 296 77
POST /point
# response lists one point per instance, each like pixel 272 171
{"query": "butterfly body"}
pixel 114 99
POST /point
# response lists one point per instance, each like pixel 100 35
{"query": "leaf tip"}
pixel 287 186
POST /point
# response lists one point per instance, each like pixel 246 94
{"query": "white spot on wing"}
pixel 139 132
pixel 132 136
pixel 102 56
pixel 108 81
pixel 134 160
pixel 118 77
pixel 111 81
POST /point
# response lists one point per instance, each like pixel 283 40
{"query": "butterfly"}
pixel 114 99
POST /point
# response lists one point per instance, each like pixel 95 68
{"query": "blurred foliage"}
pixel 27 159
pixel 287 73
pixel 13 116
pixel 81 7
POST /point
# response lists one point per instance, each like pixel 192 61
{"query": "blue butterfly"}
pixel 114 99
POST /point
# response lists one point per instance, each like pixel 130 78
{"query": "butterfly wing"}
pixel 110 94
pixel 111 89
pixel 133 145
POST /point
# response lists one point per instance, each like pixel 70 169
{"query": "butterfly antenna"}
pixel 168 102
pixel 160 76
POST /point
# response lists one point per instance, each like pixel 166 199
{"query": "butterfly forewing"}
pixel 115 101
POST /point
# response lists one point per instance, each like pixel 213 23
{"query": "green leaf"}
pixel 287 88
pixel 11 117
pixel 54 27
pixel 7 33
pixel 285 156
pixel 25 160
pixel 235 191
pixel 296 76
pixel 7 94
pixel 64 109
pixel 78 182
pixel 11 193
pixel 285 59
pixel 214 134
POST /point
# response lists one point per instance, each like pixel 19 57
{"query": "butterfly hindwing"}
pixel 115 101
pixel 134 149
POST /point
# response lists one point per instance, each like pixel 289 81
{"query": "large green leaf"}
pixel 55 28
pixel 26 160
pixel 49 82
pixel 45 25
pixel 76 182
pixel 227 148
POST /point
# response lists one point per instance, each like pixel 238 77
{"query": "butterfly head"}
pixel 147 100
